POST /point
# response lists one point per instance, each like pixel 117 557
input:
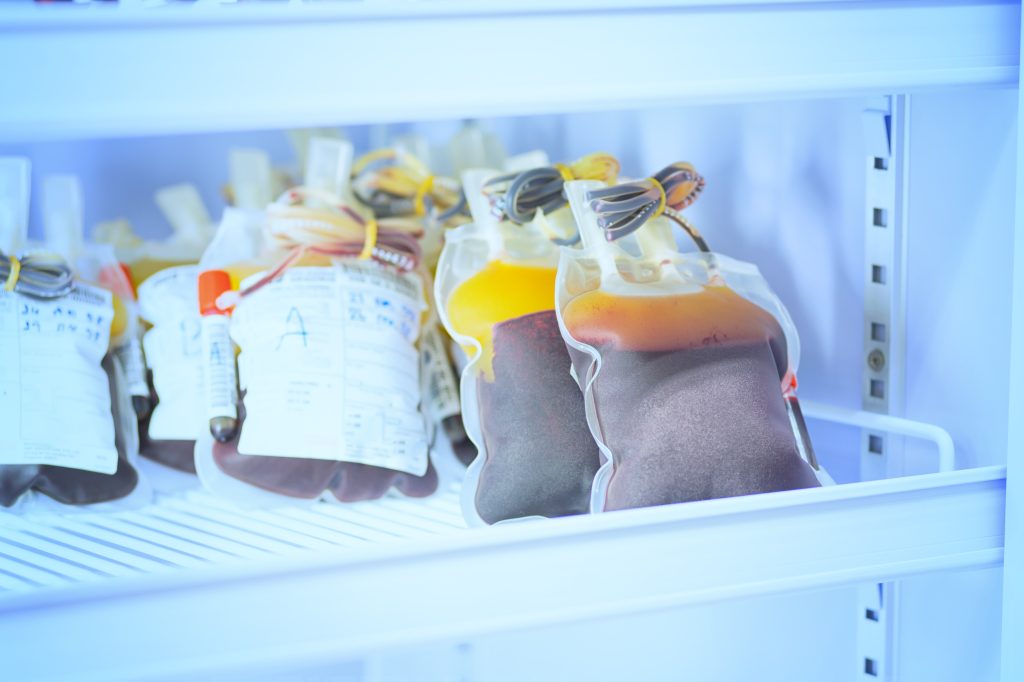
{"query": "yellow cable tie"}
pixel 564 171
pixel 421 194
pixel 13 275
pixel 662 199
pixel 370 242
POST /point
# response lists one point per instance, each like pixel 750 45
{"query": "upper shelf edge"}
pixel 106 79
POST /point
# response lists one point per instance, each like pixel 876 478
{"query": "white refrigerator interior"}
pixel 864 155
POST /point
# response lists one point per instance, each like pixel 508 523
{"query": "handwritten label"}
pixel 173 346
pixel 54 395
pixel 218 368
pixel 330 367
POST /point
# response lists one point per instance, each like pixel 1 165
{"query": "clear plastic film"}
pixel 325 305
pixel 495 294
pixel 685 361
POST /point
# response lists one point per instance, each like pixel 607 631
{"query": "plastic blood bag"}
pixel 57 333
pixel 184 210
pixel 495 289
pixel 294 408
pixel 684 360
pixel 165 274
pixel 394 182
pixel 172 346
pixel 325 315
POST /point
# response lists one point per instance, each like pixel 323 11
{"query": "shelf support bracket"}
pixel 885 247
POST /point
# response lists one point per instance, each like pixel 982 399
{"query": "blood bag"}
pixel 522 409
pixel 397 182
pixel 164 274
pixel 65 409
pixel 685 361
pixel 173 353
pixel 325 307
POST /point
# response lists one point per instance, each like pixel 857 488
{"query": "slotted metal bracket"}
pixel 885 247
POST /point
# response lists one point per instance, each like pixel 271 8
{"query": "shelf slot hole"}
pixel 871 667
pixel 877 389
pixel 881 163
pixel 878 274
pixel 875 447
pixel 871 614
pixel 878 332
pixel 880 217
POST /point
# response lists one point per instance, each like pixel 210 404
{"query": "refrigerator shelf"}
pixel 311 583
pixel 100 72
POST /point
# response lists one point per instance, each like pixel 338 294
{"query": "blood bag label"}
pixel 330 368
pixel 439 388
pixel 54 395
pixel 173 348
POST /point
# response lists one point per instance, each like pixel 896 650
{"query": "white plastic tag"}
pixel 330 367
pixel 439 388
pixel 15 173
pixel 474 147
pixel 328 164
pixel 55 396
pixel 62 216
pixel 173 346
pixel 251 178
pixel 185 211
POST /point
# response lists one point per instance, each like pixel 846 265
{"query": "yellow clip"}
pixel 371 240
pixel 421 194
pixel 661 198
pixel 12 276
pixel 564 171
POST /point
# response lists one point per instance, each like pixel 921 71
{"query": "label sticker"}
pixel 218 371
pixel 439 387
pixel 173 347
pixel 55 404
pixel 330 367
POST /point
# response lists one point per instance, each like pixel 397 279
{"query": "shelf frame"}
pixel 330 607
pixel 1012 668
pixel 83 74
